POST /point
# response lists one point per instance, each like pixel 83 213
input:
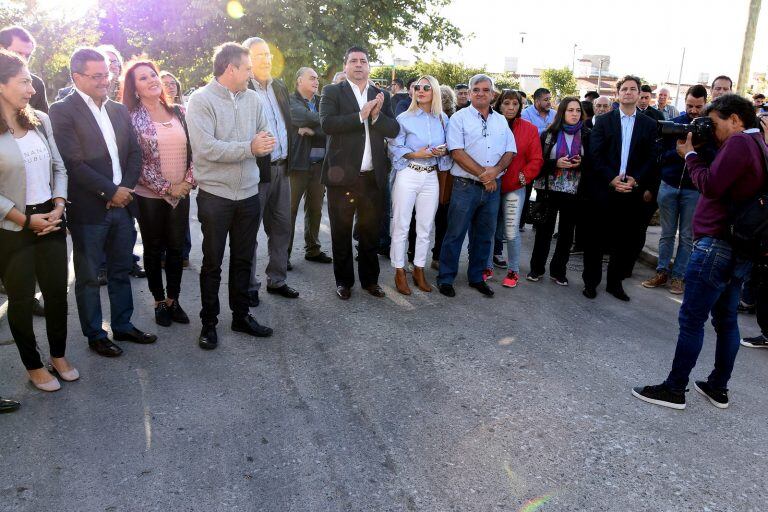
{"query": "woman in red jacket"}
pixel 523 170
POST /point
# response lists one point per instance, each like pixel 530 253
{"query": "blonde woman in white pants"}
pixel 418 153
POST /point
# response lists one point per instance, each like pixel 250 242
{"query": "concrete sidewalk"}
pixel 650 254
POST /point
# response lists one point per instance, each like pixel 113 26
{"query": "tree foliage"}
pixel 447 73
pixel 56 37
pixel 181 34
pixel 560 82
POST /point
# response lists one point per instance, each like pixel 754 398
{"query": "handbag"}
pixel 444 180
pixel 538 211
pixel 749 230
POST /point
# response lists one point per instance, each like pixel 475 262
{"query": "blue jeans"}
pixel 471 206
pixel 712 285
pixel 113 237
pixel 676 207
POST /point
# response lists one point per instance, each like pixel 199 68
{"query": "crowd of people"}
pixel 122 145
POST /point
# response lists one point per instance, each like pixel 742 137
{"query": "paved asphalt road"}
pixel 425 403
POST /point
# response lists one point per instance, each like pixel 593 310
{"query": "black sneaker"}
pixel 533 277
pixel 101 277
pixel 163 315
pixel 756 342
pixel 660 395
pixel 745 308
pixel 718 398
pixel 499 261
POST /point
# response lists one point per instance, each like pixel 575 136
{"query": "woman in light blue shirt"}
pixel 418 152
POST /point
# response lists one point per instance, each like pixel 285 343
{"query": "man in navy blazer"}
pixel 103 160
pixel 356 116
pixel 624 153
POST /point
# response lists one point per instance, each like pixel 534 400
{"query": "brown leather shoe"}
pixel 401 282
pixel 375 290
pixel 420 280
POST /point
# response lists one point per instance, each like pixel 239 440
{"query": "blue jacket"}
pixel 673 171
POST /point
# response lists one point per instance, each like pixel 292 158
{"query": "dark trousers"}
pixel 220 217
pixel 611 226
pixel 365 199
pixel 713 282
pixel 24 259
pixel 567 206
pixel 758 281
pixel 114 237
pixel 307 184
pixel 163 229
pixel 646 215
pixel 441 226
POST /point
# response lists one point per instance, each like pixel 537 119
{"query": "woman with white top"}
pixel 33 244
pixel 418 152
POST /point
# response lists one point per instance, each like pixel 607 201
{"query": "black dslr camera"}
pixel 701 128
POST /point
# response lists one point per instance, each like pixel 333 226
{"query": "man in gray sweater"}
pixel 228 131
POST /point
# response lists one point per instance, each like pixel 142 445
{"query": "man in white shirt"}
pixel 103 159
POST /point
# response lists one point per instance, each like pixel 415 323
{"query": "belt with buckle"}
pixel 469 181
pixel 423 168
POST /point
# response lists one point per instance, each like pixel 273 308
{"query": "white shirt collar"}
pixel 352 84
pixel 623 115
pixel 88 100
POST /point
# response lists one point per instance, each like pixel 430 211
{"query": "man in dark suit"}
pixel 356 116
pixel 274 183
pixel 644 104
pixel 103 160
pixel 21 42
pixel 624 153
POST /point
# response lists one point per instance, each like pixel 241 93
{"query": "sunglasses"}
pixel 426 88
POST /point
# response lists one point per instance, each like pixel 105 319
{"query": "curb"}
pixel 649 257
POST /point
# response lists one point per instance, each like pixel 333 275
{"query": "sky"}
pixel 643 38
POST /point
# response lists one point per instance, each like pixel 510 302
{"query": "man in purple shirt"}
pixel 715 271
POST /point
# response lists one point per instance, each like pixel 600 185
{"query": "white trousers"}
pixel 419 189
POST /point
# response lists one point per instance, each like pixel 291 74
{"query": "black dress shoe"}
pixel 375 290
pixel 284 291
pixel 8 405
pixel 208 339
pixel 319 258
pixel 136 336
pixel 105 348
pixel 343 292
pixel 483 288
pixel 618 292
pixel 101 277
pixel 37 308
pixel 249 325
pixel 447 290
pixel 163 315
pixel 178 315
pixel 589 292
pixel 253 299
pixel 137 271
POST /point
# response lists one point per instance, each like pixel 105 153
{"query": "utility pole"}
pixel 679 78
pixel 600 76
pixel 573 61
pixel 749 45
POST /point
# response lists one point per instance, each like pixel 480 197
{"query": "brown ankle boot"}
pixel 420 280
pixel 401 282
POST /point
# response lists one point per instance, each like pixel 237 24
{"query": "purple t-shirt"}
pixel 735 176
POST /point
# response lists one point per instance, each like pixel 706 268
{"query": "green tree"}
pixel 181 34
pixel 505 81
pixel 560 82
pixel 447 73
pixel 56 37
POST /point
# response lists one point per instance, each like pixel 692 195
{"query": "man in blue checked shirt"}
pixel 482 147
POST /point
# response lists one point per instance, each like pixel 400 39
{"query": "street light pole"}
pixel 600 76
pixel 573 61
pixel 679 79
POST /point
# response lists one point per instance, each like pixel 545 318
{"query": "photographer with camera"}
pixel 678 196
pixel 715 272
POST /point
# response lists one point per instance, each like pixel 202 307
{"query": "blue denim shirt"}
pixel 418 130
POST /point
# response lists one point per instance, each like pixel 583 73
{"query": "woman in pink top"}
pixel 164 185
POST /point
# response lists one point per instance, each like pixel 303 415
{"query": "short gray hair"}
pixel 301 71
pixel 480 78
pixel 251 41
pixel 82 56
